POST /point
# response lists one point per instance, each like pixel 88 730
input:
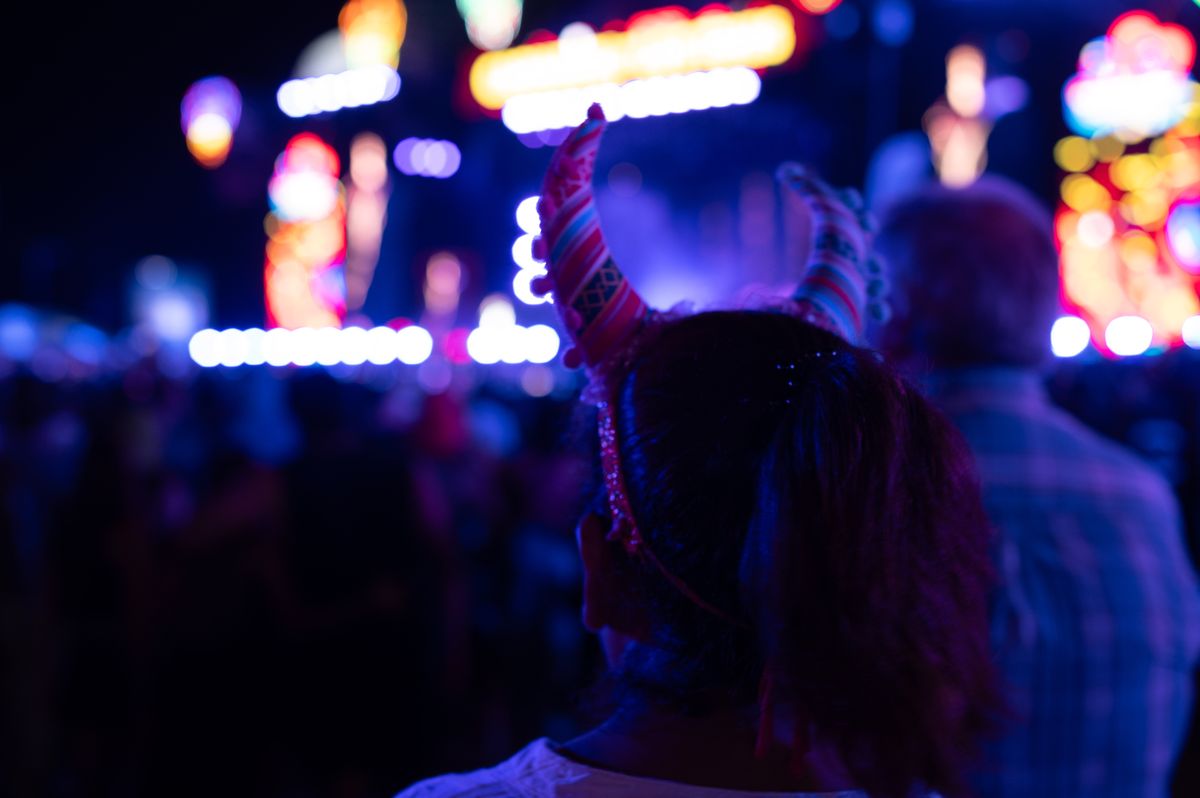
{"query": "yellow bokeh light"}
pixel 1139 252
pixel 1147 209
pixel 1066 226
pixel 1107 149
pixel 1082 193
pixel 1135 172
pixel 209 138
pixel 1182 169
pixel 1089 279
pixel 372 32
pixel 1074 154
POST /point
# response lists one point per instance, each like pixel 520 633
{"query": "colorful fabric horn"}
pixel 603 315
pixel 598 306
pixel 842 284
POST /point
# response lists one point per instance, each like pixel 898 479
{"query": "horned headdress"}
pixel 604 316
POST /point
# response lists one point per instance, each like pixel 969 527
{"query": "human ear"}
pixel 591 534
pixel 606 587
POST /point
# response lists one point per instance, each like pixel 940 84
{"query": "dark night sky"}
pixel 98 176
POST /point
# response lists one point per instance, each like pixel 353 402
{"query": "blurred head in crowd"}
pixel 796 485
pixel 975 276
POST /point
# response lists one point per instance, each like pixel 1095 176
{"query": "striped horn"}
pixel 599 308
pixel 841 284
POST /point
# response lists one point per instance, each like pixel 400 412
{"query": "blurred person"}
pixel 786 558
pixel 1096 622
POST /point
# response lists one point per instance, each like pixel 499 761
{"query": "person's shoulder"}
pixel 509 779
pixel 1136 475
pixel 481 784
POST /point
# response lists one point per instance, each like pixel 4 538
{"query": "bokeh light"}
pixel 499 339
pixel 1069 336
pixel 655 44
pixel 637 99
pixel 491 24
pixel 366 214
pixel 817 7
pixel 373 32
pixel 427 157
pixel 308 346
pixel 328 93
pixel 209 114
pixel 1128 336
pixel 529 267
pixel 443 284
pixel 966 72
pixel 1183 234
pixel 893 21
pixel 1134 82
pixel 304 272
pixel 1074 154
pixel 1191 331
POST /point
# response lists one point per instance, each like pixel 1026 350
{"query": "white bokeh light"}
pixel 414 345
pixel 204 348
pixel 528 218
pixel 381 345
pixel 1128 336
pixel 328 93
pixel 1191 332
pixel 541 343
pixel 639 98
pixel 1069 336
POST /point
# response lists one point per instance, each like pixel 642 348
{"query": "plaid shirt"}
pixel 1096 625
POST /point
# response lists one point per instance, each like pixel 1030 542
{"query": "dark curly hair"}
pixel 798 483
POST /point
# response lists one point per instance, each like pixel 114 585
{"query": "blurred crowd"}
pixel 278 583
pixel 272 584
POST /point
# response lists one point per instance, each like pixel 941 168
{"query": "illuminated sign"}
pixel 661 44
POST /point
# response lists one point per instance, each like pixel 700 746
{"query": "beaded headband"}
pixel 604 315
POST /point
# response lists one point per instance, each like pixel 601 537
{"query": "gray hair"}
pixel 975 275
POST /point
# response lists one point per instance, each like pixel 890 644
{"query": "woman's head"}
pixel 793 481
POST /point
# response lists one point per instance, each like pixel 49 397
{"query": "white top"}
pixel 541 772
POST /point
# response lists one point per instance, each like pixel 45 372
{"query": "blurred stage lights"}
pixel 328 93
pixel 1128 228
pixel 656 43
pixel 637 99
pixel 308 346
pixel 1069 336
pixel 489 344
pixel 427 157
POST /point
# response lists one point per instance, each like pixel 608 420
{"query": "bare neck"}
pixel 712 751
